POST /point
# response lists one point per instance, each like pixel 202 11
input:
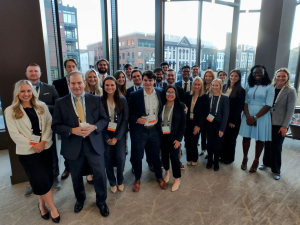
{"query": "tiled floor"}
pixel 229 196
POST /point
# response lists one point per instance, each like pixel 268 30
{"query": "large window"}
pixel 137 28
pixel 181 22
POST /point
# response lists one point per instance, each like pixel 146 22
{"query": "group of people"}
pixel 94 113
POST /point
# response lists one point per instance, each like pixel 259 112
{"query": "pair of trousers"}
pixel 228 149
pixel 115 153
pixel 191 142
pixel 169 152
pixel 97 164
pixel 273 150
pixel 151 139
pixel 203 138
pixel 214 142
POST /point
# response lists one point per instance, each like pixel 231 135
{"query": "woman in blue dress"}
pixel 256 119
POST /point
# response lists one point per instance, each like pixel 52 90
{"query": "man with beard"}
pixel 102 66
pixel 195 71
pixel 129 80
pixel 185 83
pixel 159 78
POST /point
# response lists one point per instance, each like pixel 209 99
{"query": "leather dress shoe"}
pixel 65 174
pixel 46 216
pixel 216 167
pixel 208 166
pixel 78 206
pixel 57 219
pixel 136 186
pixel 104 210
pixel 162 183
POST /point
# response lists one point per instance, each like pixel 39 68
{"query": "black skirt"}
pixel 39 169
pixel 214 142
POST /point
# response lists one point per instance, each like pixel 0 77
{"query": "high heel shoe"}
pixel 244 163
pixel 254 166
pixel 57 219
pixel 46 216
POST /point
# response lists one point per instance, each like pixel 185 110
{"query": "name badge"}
pixel 112 126
pixel 166 130
pixel 191 116
pixel 35 139
pixel 151 119
pixel 210 118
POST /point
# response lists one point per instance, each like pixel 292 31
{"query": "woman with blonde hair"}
pixel 29 125
pixel 121 79
pixel 92 83
pixel 197 104
pixel 216 123
pixel 281 116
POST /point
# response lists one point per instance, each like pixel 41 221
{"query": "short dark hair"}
pixel 33 64
pixel 164 64
pixel 264 81
pixel 136 67
pixel 185 67
pixel 222 71
pixel 127 66
pixel 149 74
pixel 70 60
pixel 135 70
pixel 100 60
pixel 158 69
pixel 195 66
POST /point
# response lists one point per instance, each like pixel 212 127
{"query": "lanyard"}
pixel 163 114
pixel 108 107
pixel 151 105
pixel 278 96
pixel 217 104
pixel 75 109
pixel 194 104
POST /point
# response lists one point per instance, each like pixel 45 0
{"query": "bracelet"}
pixel 255 117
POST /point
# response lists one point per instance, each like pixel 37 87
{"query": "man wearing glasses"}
pixel 185 83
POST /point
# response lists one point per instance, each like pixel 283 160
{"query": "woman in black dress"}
pixel 29 125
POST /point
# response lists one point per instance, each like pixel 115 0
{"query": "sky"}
pixel 180 19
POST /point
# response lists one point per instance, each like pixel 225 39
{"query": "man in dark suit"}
pixel 82 142
pixel 62 88
pixel 171 77
pixel 185 83
pixel 159 78
pixel 145 106
pixel 47 94
pixel 102 66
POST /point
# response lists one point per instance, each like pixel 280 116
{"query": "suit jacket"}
pixel 178 122
pixel 129 91
pixel 20 129
pixel 179 83
pixel 122 122
pixel 48 95
pixel 61 85
pixel 201 109
pixel 137 109
pixel 284 108
pixel 65 118
pixel 180 93
pixel 163 83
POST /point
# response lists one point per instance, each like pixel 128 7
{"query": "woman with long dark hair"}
pixel 173 126
pixel 236 94
pixel 115 134
pixel 281 114
pixel 256 119
pixel 121 80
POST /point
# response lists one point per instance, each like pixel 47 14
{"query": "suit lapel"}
pixel 87 109
pixel 71 109
pixel 143 100
pixel 284 91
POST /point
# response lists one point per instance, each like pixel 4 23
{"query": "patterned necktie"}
pixel 80 110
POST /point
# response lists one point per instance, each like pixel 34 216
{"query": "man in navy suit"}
pixel 185 83
pixel 145 107
pixel 136 76
pixel 82 141
pixel 159 78
pixel 171 77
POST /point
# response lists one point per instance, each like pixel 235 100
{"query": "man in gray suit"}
pixel 47 94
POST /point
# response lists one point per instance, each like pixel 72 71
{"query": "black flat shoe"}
pixel 46 216
pixel 104 211
pixel 78 207
pixel 216 168
pixel 90 181
pixel 57 219
pixel 208 166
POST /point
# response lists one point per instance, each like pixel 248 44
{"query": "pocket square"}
pixel 46 93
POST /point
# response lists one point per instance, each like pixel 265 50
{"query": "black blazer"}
pixel 236 106
pixel 178 122
pixel 48 95
pixel 201 109
pixel 61 86
pixel 128 92
pixel 179 83
pixel 122 121
pixel 180 93
pixel 64 119
pixel 137 109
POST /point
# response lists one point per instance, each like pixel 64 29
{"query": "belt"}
pixel 149 127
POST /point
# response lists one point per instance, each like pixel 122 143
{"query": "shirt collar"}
pixel 38 84
pixel 145 93
pixel 74 96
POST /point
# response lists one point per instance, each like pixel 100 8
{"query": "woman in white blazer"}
pixel 29 125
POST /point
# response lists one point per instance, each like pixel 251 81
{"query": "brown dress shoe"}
pixel 136 186
pixel 65 174
pixel 162 183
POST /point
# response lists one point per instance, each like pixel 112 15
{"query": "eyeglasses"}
pixel 170 93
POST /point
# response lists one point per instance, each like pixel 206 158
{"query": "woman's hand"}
pixel 196 130
pixel 112 141
pixel 231 125
pixel 283 131
pixel 250 120
pixel 39 147
pixel 221 134
pixel 176 144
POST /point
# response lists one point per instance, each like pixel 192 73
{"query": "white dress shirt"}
pixel 188 87
pixel 151 106
pixel 129 83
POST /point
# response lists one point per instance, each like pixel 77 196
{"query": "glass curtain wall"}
pixel 136 28
pixel 181 23
pixel 2 125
